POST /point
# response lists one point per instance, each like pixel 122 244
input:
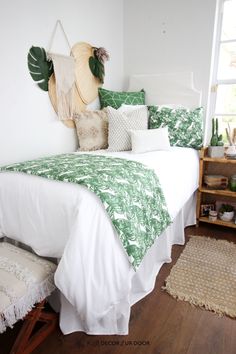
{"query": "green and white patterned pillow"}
pixel 116 99
pixel 185 126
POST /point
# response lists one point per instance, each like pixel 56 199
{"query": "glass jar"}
pixel 212 215
pixel 232 183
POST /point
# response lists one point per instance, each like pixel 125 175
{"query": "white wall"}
pixel 28 125
pixel 169 36
pixel 152 36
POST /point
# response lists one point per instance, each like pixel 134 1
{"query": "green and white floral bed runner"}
pixel 129 190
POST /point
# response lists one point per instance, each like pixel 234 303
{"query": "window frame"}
pixel 214 82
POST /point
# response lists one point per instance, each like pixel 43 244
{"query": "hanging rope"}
pixel 64 70
pixel 58 25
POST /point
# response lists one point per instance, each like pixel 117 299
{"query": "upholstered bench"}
pixel 25 281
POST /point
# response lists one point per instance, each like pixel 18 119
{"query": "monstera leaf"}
pixel 39 67
pixel 97 68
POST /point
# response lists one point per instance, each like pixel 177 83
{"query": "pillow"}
pixel 115 99
pixel 92 130
pixel 124 108
pixel 150 140
pixel 121 123
pixel 185 126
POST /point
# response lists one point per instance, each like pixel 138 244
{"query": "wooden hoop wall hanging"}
pixel 88 71
pixel 87 84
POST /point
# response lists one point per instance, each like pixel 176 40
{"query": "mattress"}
pixel 98 285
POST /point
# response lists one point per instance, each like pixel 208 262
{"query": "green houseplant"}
pixel 216 148
pixel 226 212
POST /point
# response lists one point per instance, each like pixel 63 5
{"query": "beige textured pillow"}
pixel 120 125
pixel 92 130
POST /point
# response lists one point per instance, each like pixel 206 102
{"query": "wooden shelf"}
pixel 221 160
pixel 203 154
pixel 218 222
pixel 205 195
pixel 227 192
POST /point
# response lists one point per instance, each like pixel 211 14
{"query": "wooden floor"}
pixel 159 324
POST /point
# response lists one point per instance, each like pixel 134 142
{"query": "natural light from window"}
pixel 225 108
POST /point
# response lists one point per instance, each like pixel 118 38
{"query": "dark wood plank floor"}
pixel 159 324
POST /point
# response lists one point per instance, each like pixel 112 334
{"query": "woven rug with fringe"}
pixel 205 275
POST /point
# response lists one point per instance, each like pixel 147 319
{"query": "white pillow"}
pixel 120 125
pixel 150 140
pixel 124 108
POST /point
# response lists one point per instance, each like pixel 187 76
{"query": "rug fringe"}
pixel 207 264
pixel 199 303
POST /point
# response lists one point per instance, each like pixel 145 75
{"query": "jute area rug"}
pixel 205 275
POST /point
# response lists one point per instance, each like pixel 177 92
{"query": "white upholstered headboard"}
pixel 174 88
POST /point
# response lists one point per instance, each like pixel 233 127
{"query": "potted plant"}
pixel 216 148
pixel 226 212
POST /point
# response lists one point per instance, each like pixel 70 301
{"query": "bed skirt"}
pixel 116 318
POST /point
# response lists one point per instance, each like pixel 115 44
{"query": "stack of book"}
pixel 216 181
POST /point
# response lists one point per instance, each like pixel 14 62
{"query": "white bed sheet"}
pixel 69 222
pixel 177 170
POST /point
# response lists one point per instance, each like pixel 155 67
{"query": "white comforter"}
pixel 69 222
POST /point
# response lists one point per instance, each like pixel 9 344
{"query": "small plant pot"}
pixel 216 151
pixel 226 216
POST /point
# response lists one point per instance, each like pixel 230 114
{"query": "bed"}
pixel 97 283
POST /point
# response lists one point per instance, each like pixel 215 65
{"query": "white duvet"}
pixel 66 221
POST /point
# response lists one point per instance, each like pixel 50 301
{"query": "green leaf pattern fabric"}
pixel 116 99
pixel 185 126
pixel 130 192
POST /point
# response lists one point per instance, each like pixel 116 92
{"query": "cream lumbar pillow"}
pixel 150 140
pixel 124 108
pixel 92 130
pixel 120 125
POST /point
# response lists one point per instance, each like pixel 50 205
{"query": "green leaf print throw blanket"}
pixel 129 190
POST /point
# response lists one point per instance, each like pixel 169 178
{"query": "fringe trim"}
pixel 202 304
pixel 25 304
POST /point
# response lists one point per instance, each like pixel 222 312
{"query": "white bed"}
pixel 98 284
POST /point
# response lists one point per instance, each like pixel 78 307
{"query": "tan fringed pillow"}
pixel 92 130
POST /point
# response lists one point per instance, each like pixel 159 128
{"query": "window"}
pixel 224 76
